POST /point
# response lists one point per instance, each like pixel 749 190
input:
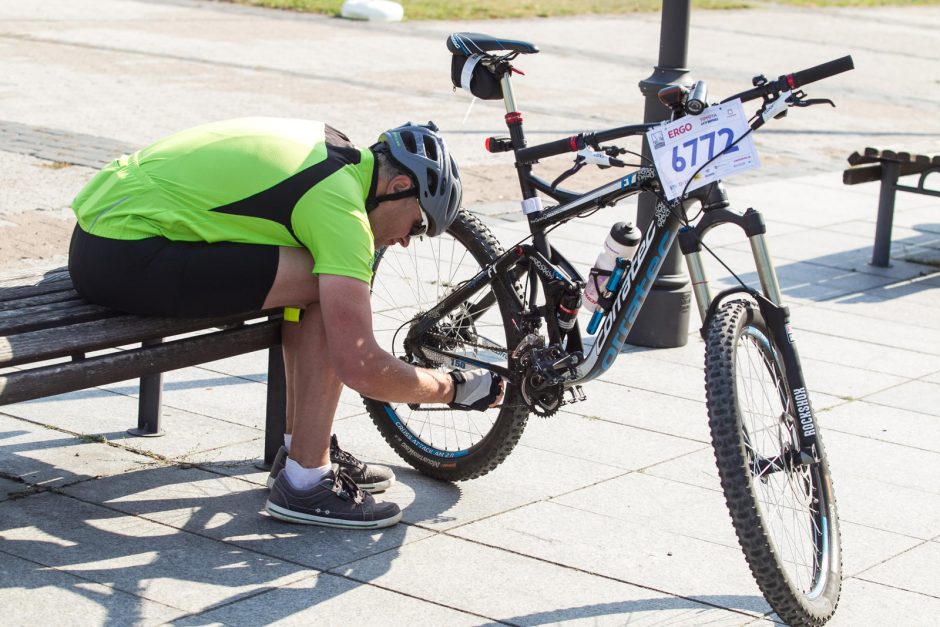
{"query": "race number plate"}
pixel 680 148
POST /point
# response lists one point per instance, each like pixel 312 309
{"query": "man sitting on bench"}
pixel 261 213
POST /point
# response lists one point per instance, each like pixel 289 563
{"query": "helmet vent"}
pixel 430 148
pixel 432 182
pixel 409 140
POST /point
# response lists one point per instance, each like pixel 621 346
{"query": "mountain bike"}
pixel 462 301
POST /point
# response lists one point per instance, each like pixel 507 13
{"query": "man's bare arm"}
pixel 359 361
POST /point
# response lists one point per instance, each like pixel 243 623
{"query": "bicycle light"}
pixel 498 144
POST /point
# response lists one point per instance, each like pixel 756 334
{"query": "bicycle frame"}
pixel 547 267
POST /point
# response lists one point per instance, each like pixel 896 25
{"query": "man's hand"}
pixel 476 389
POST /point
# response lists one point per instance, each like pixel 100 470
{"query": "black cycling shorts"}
pixel 161 277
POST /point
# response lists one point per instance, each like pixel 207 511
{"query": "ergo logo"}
pixel 679 130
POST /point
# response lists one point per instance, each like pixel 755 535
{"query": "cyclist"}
pixel 261 213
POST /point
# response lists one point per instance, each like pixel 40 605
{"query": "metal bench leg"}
pixel 148 406
pixel 276 418
pixel 889 179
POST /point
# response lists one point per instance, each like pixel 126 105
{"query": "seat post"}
pixel 506 83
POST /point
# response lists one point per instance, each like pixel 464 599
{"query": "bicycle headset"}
pixel 418 150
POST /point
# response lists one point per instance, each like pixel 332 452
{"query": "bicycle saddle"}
pixel 472 43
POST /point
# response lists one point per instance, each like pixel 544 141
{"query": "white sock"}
pixel 287 439
pixel 301 478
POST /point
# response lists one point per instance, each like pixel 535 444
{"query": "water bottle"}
pixel 621 242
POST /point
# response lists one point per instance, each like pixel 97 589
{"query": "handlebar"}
pixel 788 82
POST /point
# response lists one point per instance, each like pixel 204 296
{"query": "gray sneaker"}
pixel 369 478
pixel 334 502
pixel 277 466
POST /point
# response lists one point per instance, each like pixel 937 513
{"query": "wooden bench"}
pixel 52 341
pixel 887 166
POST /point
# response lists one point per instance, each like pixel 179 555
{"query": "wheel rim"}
pixel 409 281
pixel 791 498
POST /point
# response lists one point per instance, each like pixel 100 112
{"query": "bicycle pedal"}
pixel 577 395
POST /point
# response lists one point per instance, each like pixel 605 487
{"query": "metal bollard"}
pixel 664 320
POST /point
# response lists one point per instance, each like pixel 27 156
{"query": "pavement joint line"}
pixel 228 602
pixel 646 429
pixel 830 429
pixel 888 442
pixel 79 575
pixel 869 342
pixel 608 577
pixel 859 574
pixel 654 391
pixel 888 585
pixel 413 596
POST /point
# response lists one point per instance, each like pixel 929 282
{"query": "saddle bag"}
pixel 475 76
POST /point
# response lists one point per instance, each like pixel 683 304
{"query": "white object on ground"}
pixel 377 10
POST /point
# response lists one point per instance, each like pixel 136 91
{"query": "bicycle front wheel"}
pixel 784 513
pixel 441 442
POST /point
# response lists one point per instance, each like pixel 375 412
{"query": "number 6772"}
pixel 679 163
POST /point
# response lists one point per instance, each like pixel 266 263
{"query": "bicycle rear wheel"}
pixel 784 513
pixel 441 442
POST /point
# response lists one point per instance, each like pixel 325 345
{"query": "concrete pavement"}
pixel 607 513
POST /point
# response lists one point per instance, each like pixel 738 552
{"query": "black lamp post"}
pixel 664 320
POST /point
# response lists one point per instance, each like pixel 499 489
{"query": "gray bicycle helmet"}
pixel 419 150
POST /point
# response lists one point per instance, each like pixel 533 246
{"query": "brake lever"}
pixel 578 164
pixel 812 101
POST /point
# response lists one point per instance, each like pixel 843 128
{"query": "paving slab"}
pixel 888 303
pixel 864 602
pixel 866 329
pixel 102 413
pixel 824 349
pixel 128 553
pixel 644 409
pixel 888 424
pixel 914 570
pixel 229 510
pixel 331 600
pixel 907 501
pixel 527 591
pixel 40 456
pixel 70 599
pixel 919 396
pixel 9 488
pixel 603 441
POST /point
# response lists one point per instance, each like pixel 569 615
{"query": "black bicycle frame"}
pixel 548 268
pixel 549 265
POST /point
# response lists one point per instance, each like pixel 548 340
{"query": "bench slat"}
pixel 38 299
pixel 85 337
pixel 10 292
pixel 26 385
pixel 869 173
pixel 51 315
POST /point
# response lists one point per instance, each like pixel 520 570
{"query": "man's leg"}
pixel 312 386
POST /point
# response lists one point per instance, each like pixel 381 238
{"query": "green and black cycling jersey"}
pixel 281 182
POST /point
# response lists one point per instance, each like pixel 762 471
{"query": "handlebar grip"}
pixel 550 149
pixel 819 72
pixel 797 79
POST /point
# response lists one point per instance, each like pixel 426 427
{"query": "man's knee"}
pixel 295 285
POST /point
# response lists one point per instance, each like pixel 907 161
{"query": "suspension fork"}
pixel 770 302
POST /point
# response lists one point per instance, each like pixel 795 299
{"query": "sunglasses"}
pixel 419 228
